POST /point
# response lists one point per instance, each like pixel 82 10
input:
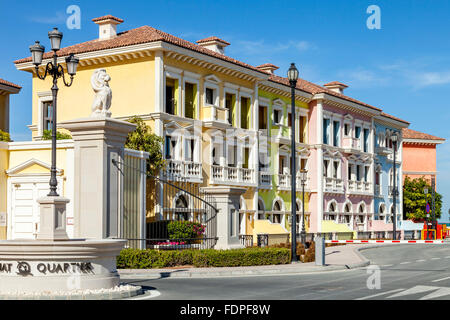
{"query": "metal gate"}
pixel 173 203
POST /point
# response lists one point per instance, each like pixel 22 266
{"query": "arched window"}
pixel 181 206
pixel 261 209
pixel 277 207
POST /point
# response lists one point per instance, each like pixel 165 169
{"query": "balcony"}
pixel 359 186
pixel 384 151
pixel 265 180
pixel 378 190
pixel 333 185
pixel 391 191
pixel 232 176
pixel 351 145
pixel 184 170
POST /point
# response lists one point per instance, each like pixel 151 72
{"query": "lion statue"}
pixel 103 94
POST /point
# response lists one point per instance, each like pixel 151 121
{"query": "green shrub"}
pixel 185 230
pixel 47 135
pixel 147 259
pixel 4 136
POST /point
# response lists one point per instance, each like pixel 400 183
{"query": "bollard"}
pixel 320 251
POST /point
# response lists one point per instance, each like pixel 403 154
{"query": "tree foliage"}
pixel 415 199
pixel 143 139
pixel 47 135
pixel 4 136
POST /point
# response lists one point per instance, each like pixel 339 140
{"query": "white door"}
pixel 25 209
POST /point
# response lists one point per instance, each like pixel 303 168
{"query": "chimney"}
pixel 107 26
pixel 213 43
pixel 336 86
pixel 268 67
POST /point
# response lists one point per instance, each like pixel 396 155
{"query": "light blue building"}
pixel 387 127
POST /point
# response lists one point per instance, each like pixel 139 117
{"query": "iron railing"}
pixel 246 240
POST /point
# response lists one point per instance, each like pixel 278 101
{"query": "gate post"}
pixel 226 200
pixel 98 183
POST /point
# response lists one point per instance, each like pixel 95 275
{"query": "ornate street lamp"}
pixel 394 187
pixel 56 71
pixel 303 177
pixel 292 75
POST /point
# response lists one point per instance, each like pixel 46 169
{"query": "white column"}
pixel 159 81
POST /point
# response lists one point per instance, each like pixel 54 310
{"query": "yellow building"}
pixel 208 107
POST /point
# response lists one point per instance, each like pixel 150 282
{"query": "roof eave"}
pixel 392 122
pixel 9 89
pixel 327 97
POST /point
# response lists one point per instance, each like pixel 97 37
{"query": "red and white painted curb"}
pixel 385 241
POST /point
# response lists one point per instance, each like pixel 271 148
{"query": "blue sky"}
pixel 403 68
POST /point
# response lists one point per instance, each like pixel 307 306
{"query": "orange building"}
pixel 419 154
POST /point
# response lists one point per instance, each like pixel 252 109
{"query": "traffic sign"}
pixel 427 208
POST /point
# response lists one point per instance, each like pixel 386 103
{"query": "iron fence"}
pixel 246 240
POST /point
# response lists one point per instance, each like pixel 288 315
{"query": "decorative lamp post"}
pixel 56 71
pixel 394 187
pixel 292 75
pixel 303 177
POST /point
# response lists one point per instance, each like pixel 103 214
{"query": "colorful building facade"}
pixel 227 123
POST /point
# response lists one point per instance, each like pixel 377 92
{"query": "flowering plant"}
pixel 185 230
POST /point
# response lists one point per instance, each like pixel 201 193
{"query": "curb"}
pixel 129 274
pixel 188 274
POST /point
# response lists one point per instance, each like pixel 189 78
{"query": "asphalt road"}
pixel 400 272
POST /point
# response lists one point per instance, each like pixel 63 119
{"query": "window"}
pixel 326 123
pixel 357 132
pixel 276 116
pixel 302 131
pixel 170 147
pixel 246 157
pixel 358 173
pixel 366 173
pixel 325 167
pixel 282 164
pixel 366 140
pixel 303 163
pixel 232 153
pixel 349 172
pixel 336 133
pixel 245 113
pixel 230 100
pixel 335 169
pixel 209 96
pixel 346 129
pixel 377 178
pixel 189 95
pixel 47 111
pixel 289 115
pixel 189 149
pixel 262 117
pixel 170 96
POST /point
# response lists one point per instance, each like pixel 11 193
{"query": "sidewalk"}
pixel 336 258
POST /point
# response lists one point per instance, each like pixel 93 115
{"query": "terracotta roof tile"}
pixel 107 17
pixel 315 89
pixel 412 134
pixel 139 35
pixel 335 83
pixel 394 118
pixel 213 39
pixel 268 65
pixel 9 84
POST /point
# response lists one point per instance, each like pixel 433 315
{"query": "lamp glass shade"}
pixel 394 138
pixel 37 51
pixel 72 64
pixel 292 73
pixel 55 37
pixel 303 175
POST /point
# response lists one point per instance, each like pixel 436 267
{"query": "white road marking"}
pixel 437 280
pixel 406 262
pixel 447 257
pixel 379 294
pixel 421 260
pixel 438 293
pixel 435 258
pixel 413 290
pixel 388 265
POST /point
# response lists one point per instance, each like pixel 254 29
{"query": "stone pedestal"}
pixel 34 266
pixel 226 200
pixel 98 182
pixel 52 218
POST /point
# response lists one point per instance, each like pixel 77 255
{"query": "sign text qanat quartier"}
pixel 23 268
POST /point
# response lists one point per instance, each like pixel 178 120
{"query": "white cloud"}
pixel 427 79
